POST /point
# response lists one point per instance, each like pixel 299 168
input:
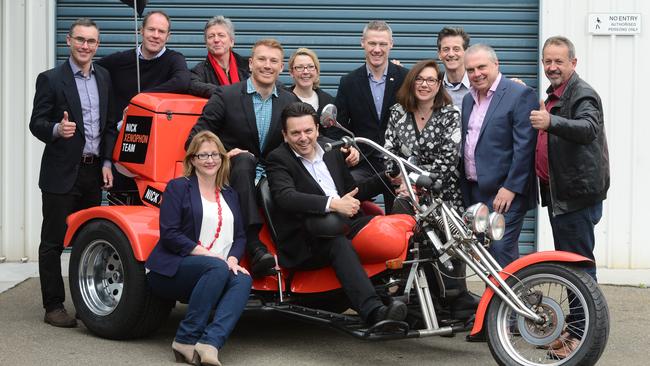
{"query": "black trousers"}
pixel 242 180
pixel 340 254
pixel 86 192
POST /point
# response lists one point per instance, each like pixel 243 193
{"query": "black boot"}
pixel 397 311
pixel 262 263
pixel 464 306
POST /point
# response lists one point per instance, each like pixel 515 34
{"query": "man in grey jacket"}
pixel 571 158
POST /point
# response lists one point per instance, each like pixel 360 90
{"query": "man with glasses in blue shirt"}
pixel 71 115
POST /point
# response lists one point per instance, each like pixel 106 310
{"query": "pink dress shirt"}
pixel 474 125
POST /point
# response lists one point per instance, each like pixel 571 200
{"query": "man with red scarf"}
pixel 222 66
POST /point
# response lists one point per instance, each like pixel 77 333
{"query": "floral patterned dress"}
pixel 436 146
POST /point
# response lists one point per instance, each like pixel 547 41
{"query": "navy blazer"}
pixel 505 150
pixel 56 92
pixel 230 114
pixel 356 107
pixel 181 214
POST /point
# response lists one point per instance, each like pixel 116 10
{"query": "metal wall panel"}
pixel 333 29
pixel 613 65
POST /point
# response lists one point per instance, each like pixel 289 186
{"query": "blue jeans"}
pixel 205 283
pixel 574 232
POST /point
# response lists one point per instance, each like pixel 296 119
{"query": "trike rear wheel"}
pixel 108 285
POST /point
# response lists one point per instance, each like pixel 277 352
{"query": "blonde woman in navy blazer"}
pixel 197 257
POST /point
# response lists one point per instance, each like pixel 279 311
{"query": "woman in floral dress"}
pixel 426 125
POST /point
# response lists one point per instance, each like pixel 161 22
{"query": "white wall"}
pixel 614 66
pixel 27 48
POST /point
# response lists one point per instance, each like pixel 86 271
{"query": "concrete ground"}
pixel 267 339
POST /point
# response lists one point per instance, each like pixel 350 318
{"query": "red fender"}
pixel 139 223
pixel 539 257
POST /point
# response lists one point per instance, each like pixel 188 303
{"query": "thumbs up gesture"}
pixel 66 127
pixel 347 205
pixel 540 119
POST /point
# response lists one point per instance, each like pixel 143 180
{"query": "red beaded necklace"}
pixel 219 222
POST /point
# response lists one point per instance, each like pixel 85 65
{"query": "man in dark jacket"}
pixel 366 94
pixel 222 66
pixel 571 160
pixel 308 183
pixel 162 70
pixel 246 117
pixel 71 115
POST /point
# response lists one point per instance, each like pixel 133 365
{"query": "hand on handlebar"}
pixel 401 191
pixel 353 156
pixel 347 205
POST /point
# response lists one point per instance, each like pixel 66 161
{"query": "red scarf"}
pixel 221 75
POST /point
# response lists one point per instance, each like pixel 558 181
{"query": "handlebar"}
pixel 345 141
pixel 421 178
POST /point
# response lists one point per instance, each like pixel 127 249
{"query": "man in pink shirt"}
pixel 498 146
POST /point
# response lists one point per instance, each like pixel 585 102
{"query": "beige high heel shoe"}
pixel 205 354
pixel 183 352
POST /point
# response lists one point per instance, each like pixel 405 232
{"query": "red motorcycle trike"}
pixel 526 305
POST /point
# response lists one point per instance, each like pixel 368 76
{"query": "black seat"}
pixel 266 202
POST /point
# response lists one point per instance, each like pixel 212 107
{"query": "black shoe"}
pixel 464 306
pixel 477 338
pixel 262 263
pixel 397 311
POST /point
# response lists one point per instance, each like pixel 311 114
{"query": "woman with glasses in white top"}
pixel 197 257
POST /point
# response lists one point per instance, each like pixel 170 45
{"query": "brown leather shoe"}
pixel 60 318
pixel 568 346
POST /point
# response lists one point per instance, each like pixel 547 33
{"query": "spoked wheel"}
pixel 108 285
pixel 575 313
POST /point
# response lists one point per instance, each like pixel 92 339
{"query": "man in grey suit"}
pixel 71 115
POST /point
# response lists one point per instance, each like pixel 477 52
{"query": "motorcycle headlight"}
pixel 496 227
pixel 476 217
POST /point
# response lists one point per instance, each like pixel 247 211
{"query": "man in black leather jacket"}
pixel 572 160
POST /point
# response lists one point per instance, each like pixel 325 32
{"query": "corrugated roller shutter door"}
pixel 332 29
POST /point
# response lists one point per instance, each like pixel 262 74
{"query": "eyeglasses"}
pixel 430 81
pixel 205 156
pixel 81 40
pixel 301 68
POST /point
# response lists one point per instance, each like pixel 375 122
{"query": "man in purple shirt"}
pixel 498 146
pixel 71 115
